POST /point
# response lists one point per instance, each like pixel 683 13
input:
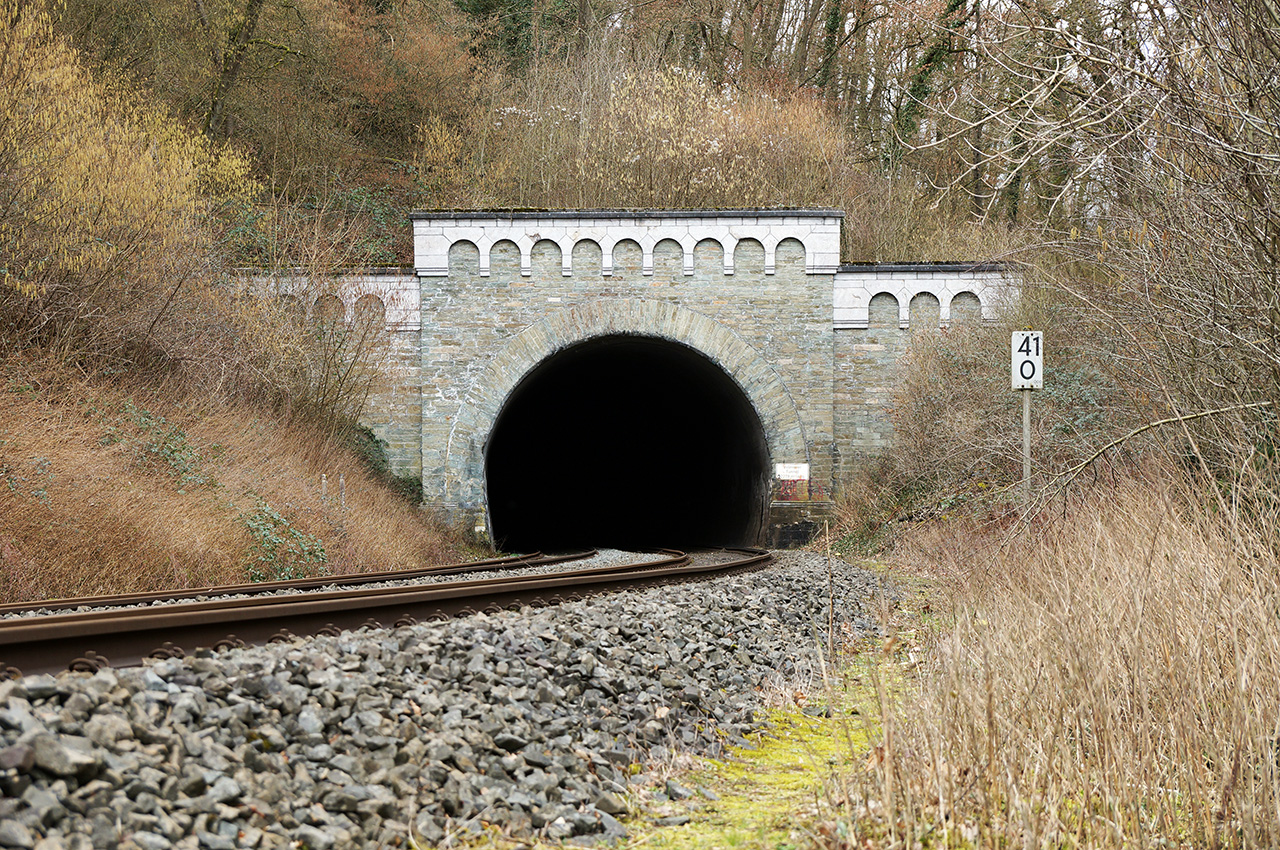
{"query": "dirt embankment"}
pixel 106 489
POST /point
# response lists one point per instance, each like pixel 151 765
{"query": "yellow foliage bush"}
pixel 607 131
pixel 105 203
pixel 109 225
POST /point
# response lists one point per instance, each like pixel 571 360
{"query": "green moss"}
pixel 774 795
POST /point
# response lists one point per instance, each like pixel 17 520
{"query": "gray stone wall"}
pixel 879 309
pixel 816 348
pixel 394 408
pixel 388 297
pixel 481 334
pixel 865 370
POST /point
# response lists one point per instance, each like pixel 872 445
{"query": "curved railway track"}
pixel 90 633
pixel 509 562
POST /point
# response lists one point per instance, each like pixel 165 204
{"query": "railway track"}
pixel 91 633
pixel 123 600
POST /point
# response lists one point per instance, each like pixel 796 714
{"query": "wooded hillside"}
pixel 1127 160
pixel 1098 668
pixel 364 108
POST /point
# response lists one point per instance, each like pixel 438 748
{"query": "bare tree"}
pixel 1147 141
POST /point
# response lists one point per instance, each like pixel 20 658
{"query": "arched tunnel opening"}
pixel 628 442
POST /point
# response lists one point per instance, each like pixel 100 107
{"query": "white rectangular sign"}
pixel 791 471
pixel 1027 360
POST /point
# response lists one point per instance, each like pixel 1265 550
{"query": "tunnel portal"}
pixel 626 442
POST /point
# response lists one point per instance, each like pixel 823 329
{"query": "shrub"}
pixel 958 423
pixel 106 205
pixel 280 551
pixel 155 441
pixel 600 130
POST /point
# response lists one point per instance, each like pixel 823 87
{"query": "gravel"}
pixel 535 722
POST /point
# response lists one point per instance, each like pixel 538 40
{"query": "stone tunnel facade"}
pixel 810 344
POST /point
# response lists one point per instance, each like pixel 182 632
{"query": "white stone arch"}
pixel 368 305
pixel 574 245
pixel 526 241
pixel 947 309
pixel 817 230
pixel 719 246
pixel 329 307
pixel 744 244
pixel 477 414
pixel 922 304
pixel 903 307
pixel 770 242
pixel 545 243
pixel 634 240
pixel 523 251
pixel 399 293
pixel 460 263
pixel 648 241
pixel 669 241
pixel 856 285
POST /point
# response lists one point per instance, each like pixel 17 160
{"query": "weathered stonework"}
pixel 813 345
pixel 878 307
pixel 500 294
pixel 953 287
pixel 394 408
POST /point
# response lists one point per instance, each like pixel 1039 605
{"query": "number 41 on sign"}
pixel 1027 365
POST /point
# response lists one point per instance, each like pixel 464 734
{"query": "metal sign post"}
pixel 1026 447
pixel 1026 371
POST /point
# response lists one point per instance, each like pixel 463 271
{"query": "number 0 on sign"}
pixel 1028 360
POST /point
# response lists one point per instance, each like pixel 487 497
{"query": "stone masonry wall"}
pixel 771 333
pixel 394 409
pixel 879 309
pixel 389 298
pixel 815 348
pixel 865 368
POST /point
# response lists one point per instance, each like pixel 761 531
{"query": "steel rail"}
pixel 86 640
pixel 148 597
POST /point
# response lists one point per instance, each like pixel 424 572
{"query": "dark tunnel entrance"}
pixel 627 442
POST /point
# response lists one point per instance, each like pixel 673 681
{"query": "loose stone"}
pixel 534 722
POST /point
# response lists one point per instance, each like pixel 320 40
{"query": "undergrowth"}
pixel 1107 676
pixel 279 551
pixel 154 440
pixel 109 485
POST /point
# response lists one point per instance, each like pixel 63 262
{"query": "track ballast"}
pixel 92 633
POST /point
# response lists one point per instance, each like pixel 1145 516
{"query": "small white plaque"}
pixel 1027 360
pixel 791 471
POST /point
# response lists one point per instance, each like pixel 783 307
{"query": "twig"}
pixel 1066 477
pixel 1070 474
pixel 831 597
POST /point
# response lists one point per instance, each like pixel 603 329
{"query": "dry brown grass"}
pixel 98 494
pixel 1111 679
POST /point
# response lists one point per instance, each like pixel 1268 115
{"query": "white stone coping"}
pixel 855 286
pixel 817 230
pixel 399 291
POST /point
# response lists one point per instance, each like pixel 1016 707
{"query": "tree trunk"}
pixel 228 63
